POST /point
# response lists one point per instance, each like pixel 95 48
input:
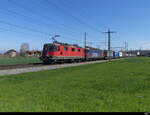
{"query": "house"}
pixel 11 53
pixel 34 53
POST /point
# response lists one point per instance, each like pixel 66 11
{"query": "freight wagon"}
pixel 63 52
pixel 106 54
pixel 123 54
pixel 94 53
pixel 120 54
pixel 116 54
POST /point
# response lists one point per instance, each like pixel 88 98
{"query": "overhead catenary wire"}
pixel 74 17
pixel 82 12
pixel 23 27
pixel 31 19
pixel 44 18
pixel 32 11
pixel 25 33
pixel 64 25
pixel 109 41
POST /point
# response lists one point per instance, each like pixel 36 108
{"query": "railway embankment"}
pixel 33 68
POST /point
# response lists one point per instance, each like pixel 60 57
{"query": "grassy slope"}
pixel 18 60
pixel 117 86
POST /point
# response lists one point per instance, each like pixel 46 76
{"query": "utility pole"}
pixel 126 47
pixel 109 41
pixel 85 35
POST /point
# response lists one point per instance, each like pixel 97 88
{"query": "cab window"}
pixel 49 47
pixel 73 49
pixel 79 50
pixel 65 49
pixel 58 48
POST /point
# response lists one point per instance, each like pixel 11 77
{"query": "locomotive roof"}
pixel 66 44
pixel 72 45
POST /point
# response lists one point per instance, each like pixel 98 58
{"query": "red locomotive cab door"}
pixel 59 51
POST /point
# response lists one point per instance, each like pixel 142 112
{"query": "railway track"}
pixel 33 68
pixel 16 66
pixel 19 66
pixel 25 68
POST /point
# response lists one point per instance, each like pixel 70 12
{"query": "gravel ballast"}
pixel 48 67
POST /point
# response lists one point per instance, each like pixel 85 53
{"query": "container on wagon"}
pixel 107 54
pixel 120 54
pixel 116 54
pixel 95 53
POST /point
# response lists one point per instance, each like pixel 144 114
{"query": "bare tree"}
pixel 24 48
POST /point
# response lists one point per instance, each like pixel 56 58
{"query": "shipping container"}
pixel 106 54
pixel 116 54
pixel 111 54
pixel 120 54
pixel 95 53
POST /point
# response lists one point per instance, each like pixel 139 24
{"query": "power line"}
pixel 31 11
pixel 44 17
pixel 85 56
pixel 126 46
pixel 23 27
pixel 81 9
pixel 18 14
pixel 68 2
pixel 62 24
pixel 109 41
pixel 74 17
pixel 13 12
pixel 30 29
pixel 10 30
pixel 17 25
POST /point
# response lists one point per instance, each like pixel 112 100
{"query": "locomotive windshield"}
pixel 49 47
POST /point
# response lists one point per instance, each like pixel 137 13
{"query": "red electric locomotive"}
pixel 61 52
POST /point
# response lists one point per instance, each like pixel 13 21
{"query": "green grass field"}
pixel 119 86
pixel 18 60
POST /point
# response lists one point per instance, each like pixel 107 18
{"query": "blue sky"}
pixel 34 21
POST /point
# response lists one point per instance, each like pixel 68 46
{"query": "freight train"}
pixel 63 52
